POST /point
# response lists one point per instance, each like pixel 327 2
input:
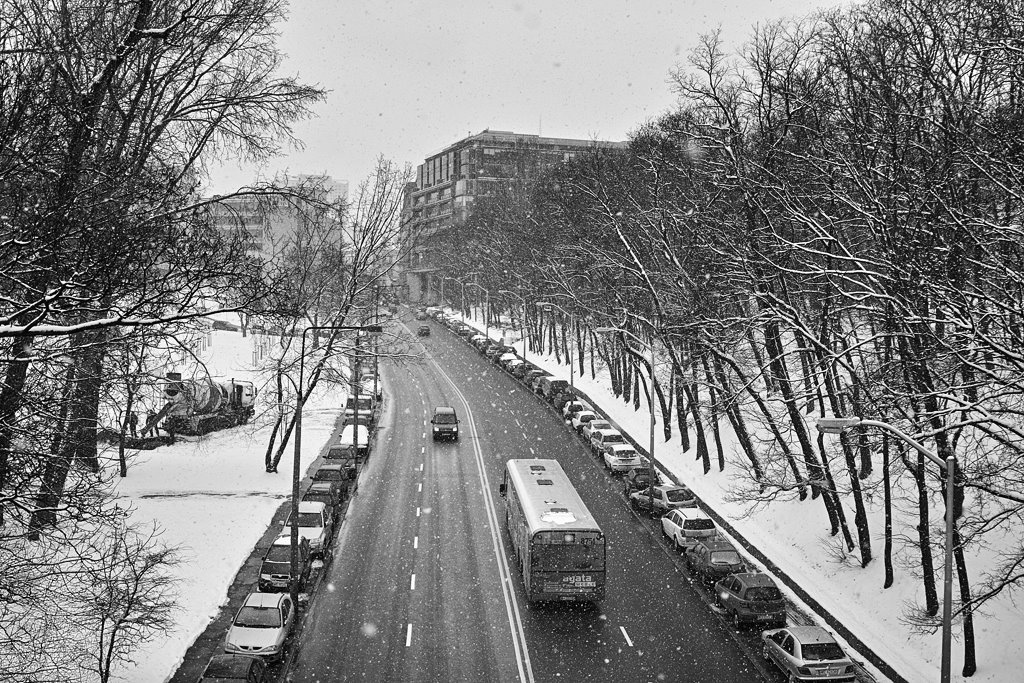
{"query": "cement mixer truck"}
pixel 200 406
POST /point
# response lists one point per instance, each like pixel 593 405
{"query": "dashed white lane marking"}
pixel 417 512
pixel 532 452
pixel 424 435
pixel 423 449
pixel 421 467
pixel 419 487
pixel 626 636
pixel 412 583
pixel 408 635
pixel 415 542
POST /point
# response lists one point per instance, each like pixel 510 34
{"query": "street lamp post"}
pixel 296 470
pixel 839 425
pixel 547 305
pixel 505 291
pixel 487 306
pixel 650 398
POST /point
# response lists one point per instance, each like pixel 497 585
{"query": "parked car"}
pixel 464 330
pixel 638 479
pixel 686 526
pixel 339 469
pixel 510 362
pixel 330 493
pixel 562 398
pixel 261 626
pixel 361 404
pixel 357 437
pixel 574 406
pixel 498 350
pixel 589 425
pixel 549 387
pixel 711 559
pixel 582 418
pixel 751 598
pixel 807 653
pixel 521 370
pixel 226 668
pixel 423 331
pixel 479 341
pixel 619 457
pixel 445 423
pixel 662 499
pixel 599 438
pixel 530 376
pixel 316 525
pixel 421 314
pixel 275 570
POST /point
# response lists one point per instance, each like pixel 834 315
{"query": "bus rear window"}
pixel 567 558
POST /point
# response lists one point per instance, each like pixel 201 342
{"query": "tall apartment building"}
pixel 449 183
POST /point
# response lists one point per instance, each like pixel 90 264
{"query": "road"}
pixel 418 588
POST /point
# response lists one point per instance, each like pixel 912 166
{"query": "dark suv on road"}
pixel 445 423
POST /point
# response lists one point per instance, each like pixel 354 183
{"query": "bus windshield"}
pixel 567 557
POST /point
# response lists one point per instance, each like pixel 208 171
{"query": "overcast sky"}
pixel 406 78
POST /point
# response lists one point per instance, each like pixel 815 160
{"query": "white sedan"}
pixel 588 429
pixel 261 626
pixel 582 418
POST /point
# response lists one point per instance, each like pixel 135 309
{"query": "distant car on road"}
pixel 261 626
pixel 711 559
pixel 807 653
pixel 751 598
pixel 229 668
pixel 444 424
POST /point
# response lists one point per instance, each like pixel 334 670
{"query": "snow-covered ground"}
pixel 213 497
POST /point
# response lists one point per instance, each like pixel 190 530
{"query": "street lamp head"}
pixel 836 425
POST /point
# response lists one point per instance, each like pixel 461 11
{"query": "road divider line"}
pixel 515 619
pixel 626 636
pixel 408 635
pixel 419 487
pixel 417 512
pixel 412 583
pixel 415 542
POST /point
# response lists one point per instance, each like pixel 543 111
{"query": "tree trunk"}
pixel 732 411
pixel 713 412
pixel 887 492
pixel 931 599
pixel 10 402
pixel 966 609
pixel 698 427
pixel 681 407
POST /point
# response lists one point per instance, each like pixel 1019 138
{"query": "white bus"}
pixel 558 545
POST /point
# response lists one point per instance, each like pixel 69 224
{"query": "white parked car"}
pixel 589 428
pixel 599 438
pixel 662 499
pixel 686 525
pixel 580 419
pixel 573 407
pixel 261 626
pixel 807 653
pixel 620 457
pixel 316 524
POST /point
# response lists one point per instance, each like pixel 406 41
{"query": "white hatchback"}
pixel 620 457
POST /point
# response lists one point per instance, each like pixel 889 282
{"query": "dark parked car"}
pixel 224 668
pixel 638 479
pixel 751 598
pixel 711 559
pixel 275 570
pixel 496 351
pixel 330 493
pixel 423 331
pixel 340 469
pixel 521 370
pixel 531 375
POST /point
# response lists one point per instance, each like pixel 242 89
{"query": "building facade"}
pixel 448 184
